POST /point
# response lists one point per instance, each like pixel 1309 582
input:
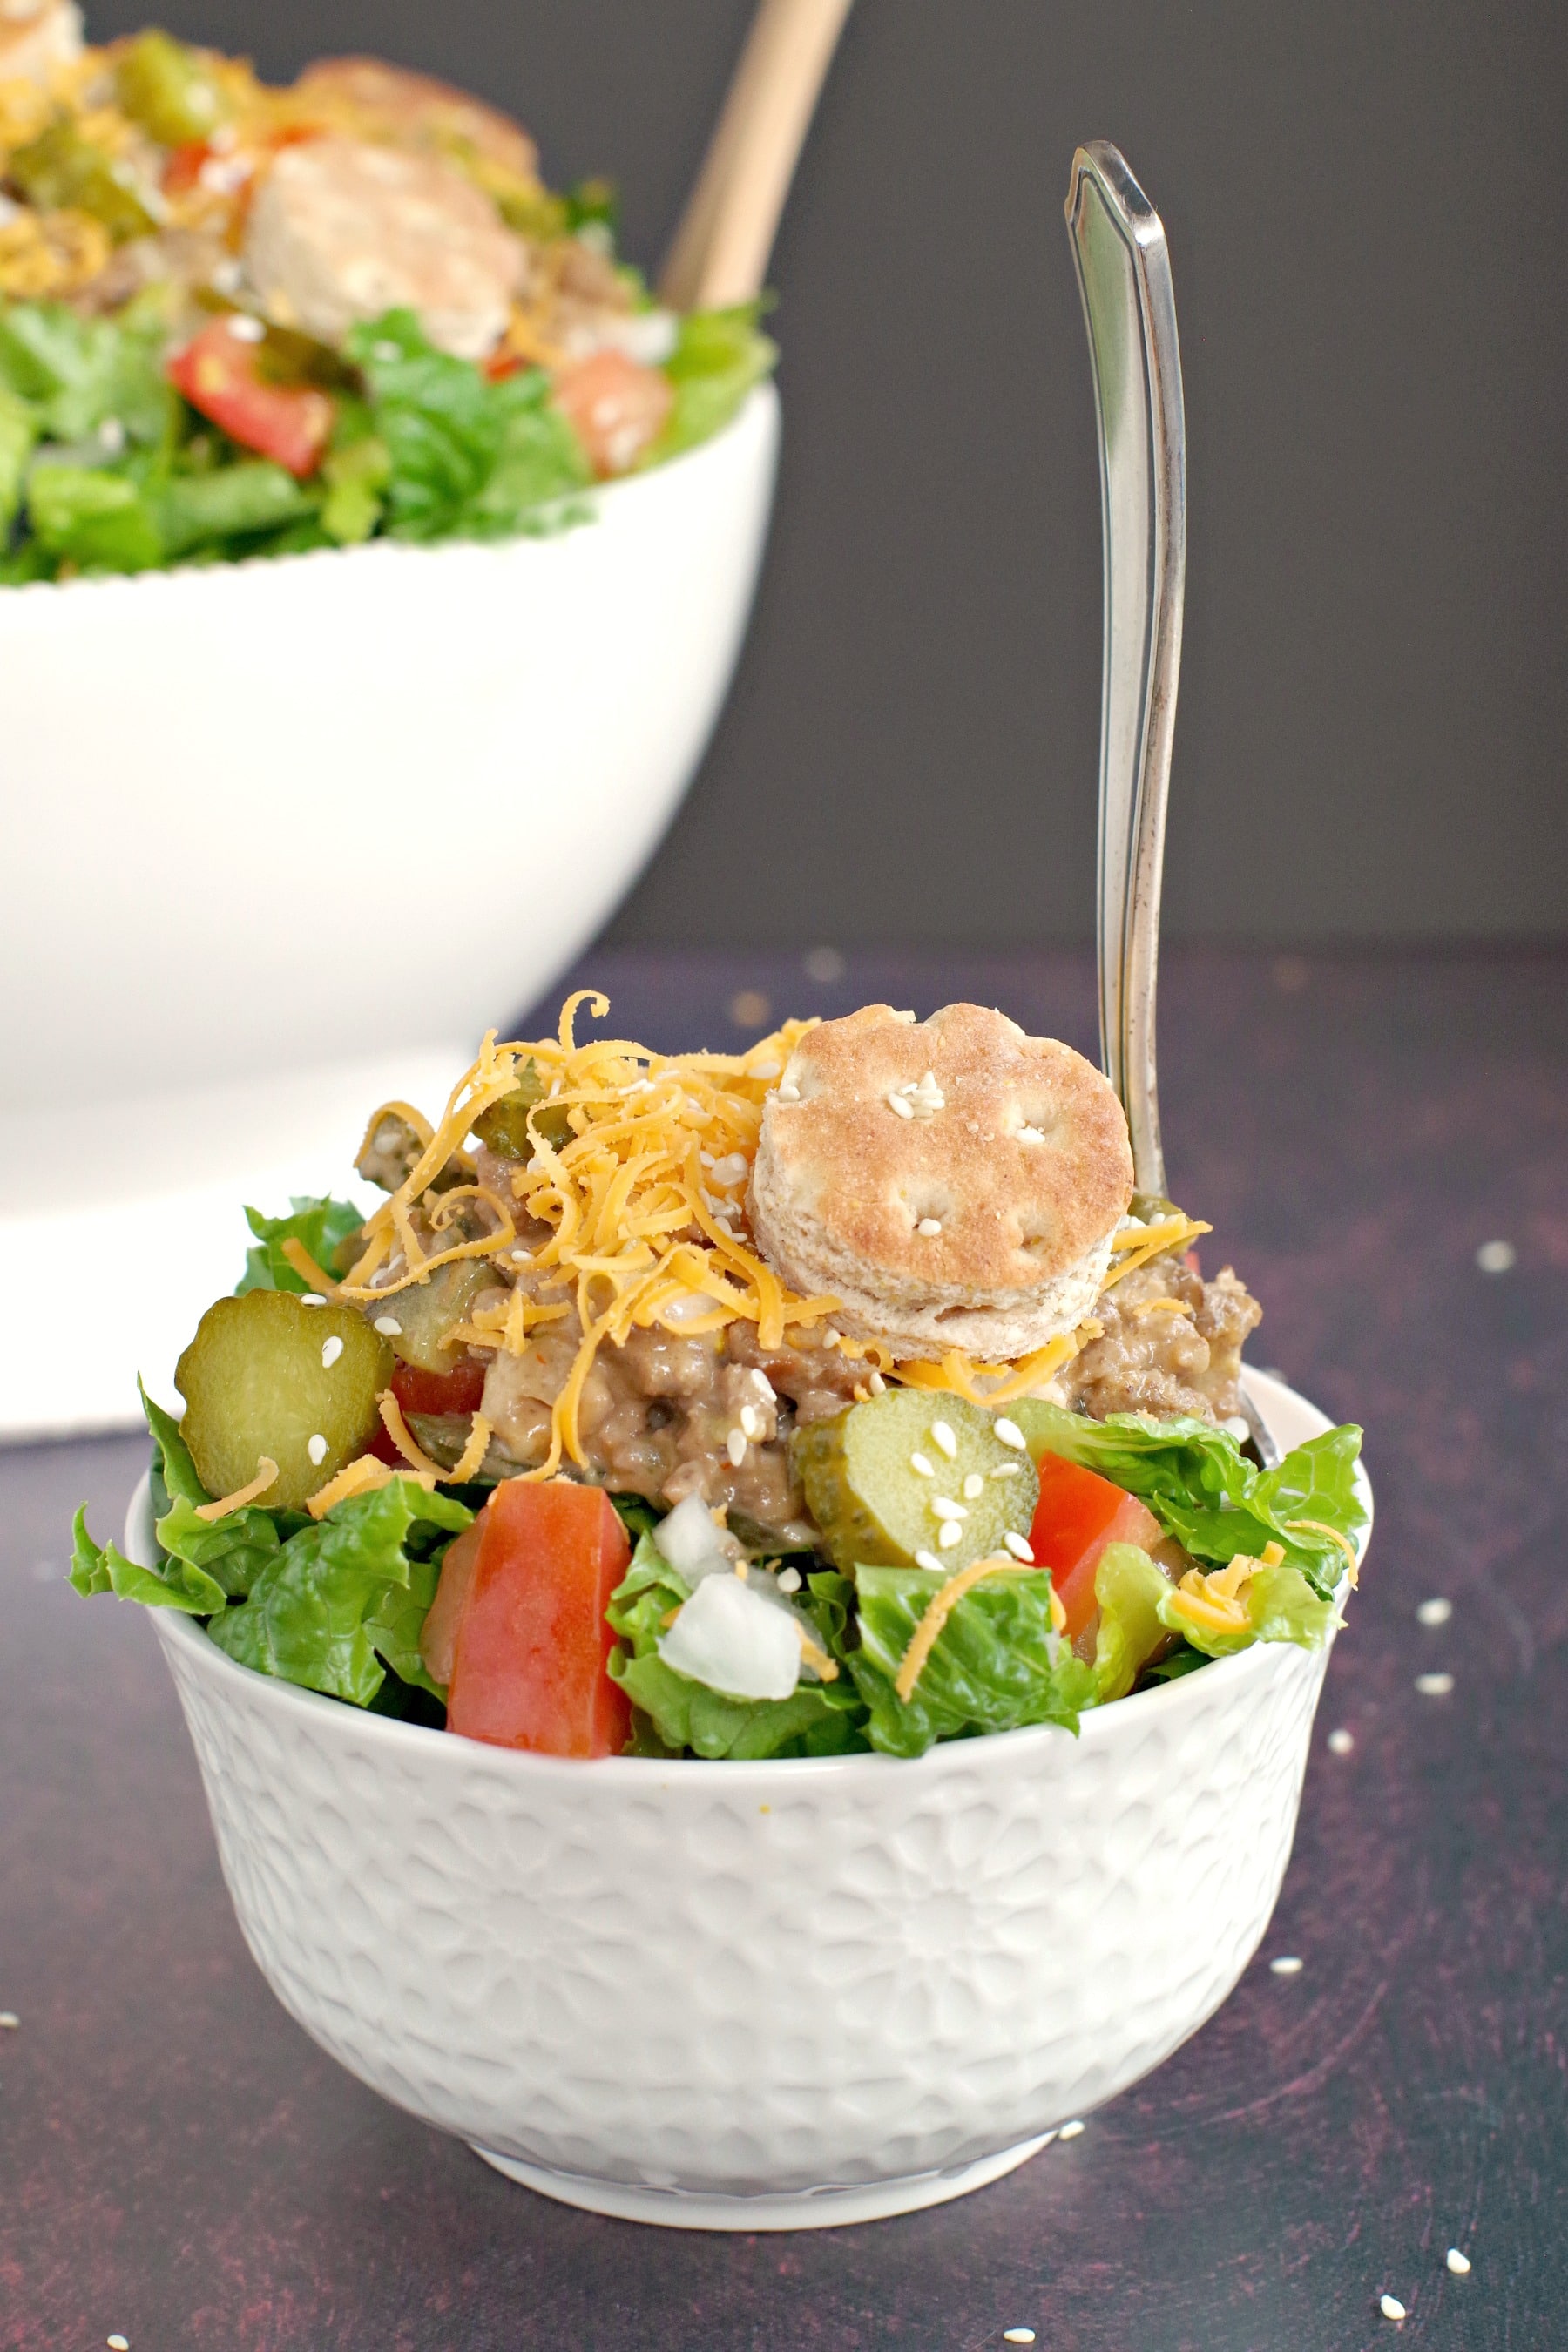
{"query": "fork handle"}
pixel 1125 277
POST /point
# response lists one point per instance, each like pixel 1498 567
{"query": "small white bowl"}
pixel 756 1996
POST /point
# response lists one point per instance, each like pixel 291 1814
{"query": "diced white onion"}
pixel 692 1545
pixel 730 1638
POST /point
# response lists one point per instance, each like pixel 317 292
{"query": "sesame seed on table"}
pixel 1385 2119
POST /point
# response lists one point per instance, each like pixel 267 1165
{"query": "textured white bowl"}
pixel 756 1996
pixel 288 813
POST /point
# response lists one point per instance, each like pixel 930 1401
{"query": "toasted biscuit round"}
pixel 978 1215
pixel 395 103
pixel 341 230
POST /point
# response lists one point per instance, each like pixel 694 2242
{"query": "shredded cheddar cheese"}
pixel 823 1666
pixel 471 1459
pixel 633 1237
pixel 266 1477
pixel 1135 1245
pixel 361 1476
pixel 996 1385
pixel 1316 1527
pixel 397 1429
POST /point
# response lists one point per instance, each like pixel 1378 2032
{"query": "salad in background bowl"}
pixel 362 564
pixel 562 1455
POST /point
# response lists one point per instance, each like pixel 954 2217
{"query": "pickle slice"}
pixel 882 1480
pixel 427 1311
pixel 503 1129
pixel 255 1381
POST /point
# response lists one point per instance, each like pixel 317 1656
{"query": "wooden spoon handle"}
pixel 719 253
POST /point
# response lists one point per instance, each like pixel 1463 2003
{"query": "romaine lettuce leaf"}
pixel 231 502
pixel 816 1720
pixel 19 431
pixel 437 418
pixel 1281 1606
pixel 318 1614
pixel 205 1565
pixel 93 517
pixel 1129 1589
pixel 718 355
pixel 996 1664
pixel 324 1225
pixel 76 373
pixel 1201 1488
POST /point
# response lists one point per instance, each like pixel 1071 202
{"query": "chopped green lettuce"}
pixel 205 1565
pixel 816 1720
pixel 1129 1589
pixel 718 355
pixel 1281 1606
pixel 322 1226
pixel 322 1612
pixel 1201 1488
pixel 996 1664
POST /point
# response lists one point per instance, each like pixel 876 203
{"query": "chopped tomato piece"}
pixel 458 1390
pixel 1078 1514
pixel 615 407
pixel 501 365
pixel 287 422
pixel 530 1657
pixel 183 171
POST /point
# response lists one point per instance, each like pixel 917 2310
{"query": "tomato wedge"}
pixel 1078 1514
pixel 530 1653
pixel 219 375
pixel 614 408
pixel 458 1390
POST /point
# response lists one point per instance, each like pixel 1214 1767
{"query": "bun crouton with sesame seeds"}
pixel 953 1182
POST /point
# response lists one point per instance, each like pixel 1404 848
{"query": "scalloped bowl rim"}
pixel 594 495
pixel 1097 1724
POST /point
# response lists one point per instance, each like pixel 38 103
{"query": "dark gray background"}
pixel 1364 206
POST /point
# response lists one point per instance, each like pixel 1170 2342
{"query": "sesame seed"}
pixel 1017 2335
pixel 788 1093
pixel 928 1561
pixel 907 1018
pixel 735 1447
pixel 1436 1611
pixel 900 1104
pixel 877 1384
pixel 1341 1742
pixel 1495 1257
pixel 1031 1135
pixel 766 1069
pixel 789 1580
pixel 943 1437
pixel 1433 1685
pixel 731 1170
pixel 1458 2263
pixel 929 1227
pixel 974 1485
pixel 707 1160
pixel 312 1298
pixel 1008 1470
pixel 117 2343
pixel 1019 1547
pixel 1009 1434
pixel 9 2021
pixel 751 1420
pixel 921 1466
pixel 763 1385
pixel 945 1507
pixel 331 1350
pixel 316 1447
pixel 1286 1965
pixel 908 1087
pixel 1070 2131
pixel 389 1326
pixel 832 1339
pixel 246 330
pixel 522 1258
pixel 1391 2307
pixel 950 1534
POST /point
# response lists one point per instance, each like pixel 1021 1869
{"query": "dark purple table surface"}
pixel 181 2166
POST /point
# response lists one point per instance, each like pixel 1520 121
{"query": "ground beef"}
pixel 1160 1363
pixel 655 1416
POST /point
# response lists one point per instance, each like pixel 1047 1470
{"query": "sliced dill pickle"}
pixel 504 1127
pixel 427 1311
pixel 875 1476
pixel 256 1381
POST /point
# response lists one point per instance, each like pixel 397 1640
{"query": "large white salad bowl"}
pixel 283 835
pixel 756 1996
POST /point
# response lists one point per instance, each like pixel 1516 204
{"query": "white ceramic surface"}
pixel 756 1996
pixel 267 823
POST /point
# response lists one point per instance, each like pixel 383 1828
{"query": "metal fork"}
pixel 1130 311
